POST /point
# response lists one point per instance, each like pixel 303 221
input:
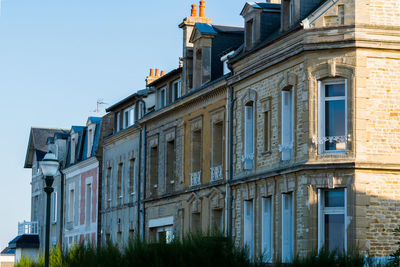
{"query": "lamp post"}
pixel 49 167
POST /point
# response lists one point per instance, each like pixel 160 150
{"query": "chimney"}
pixel 162 73
pixel 152 76
pixel 157 73
pixel 194 11
pixel 202 9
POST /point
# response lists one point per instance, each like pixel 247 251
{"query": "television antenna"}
pixel 99 104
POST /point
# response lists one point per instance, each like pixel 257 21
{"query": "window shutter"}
pixel 249 136
pixel 287 128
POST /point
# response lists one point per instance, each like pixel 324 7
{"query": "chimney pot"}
pixel 194 11
pixel 202 9
pixel 162 73
pixel 151 73
pixel 157 71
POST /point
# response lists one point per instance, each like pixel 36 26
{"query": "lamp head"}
pixel 49 164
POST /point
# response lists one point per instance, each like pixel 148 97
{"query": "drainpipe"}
pixel 142 142
pixel 230 166
pixel 144 182
pixel 62 208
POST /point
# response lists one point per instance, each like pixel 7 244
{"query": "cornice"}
pixel 80 165
pixel 298 42
pixel 122 134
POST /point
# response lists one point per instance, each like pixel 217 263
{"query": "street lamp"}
pixel 49 167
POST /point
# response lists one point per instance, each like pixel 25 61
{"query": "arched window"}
pixel 248 157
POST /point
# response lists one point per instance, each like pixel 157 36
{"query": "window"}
pixel 88 203
pixel 132 175
pixel 332 117
pixel 196 155
pixel 118 122
pixel 163 97
pixel 71 205
pixel 217 150
pixel 196 222
pixel 217 220
pixel 129 117
pixel 291 12
pixel 153 169
pixel 108 187
pixel 287 124
pixel 266 229
pixel 90 137
pixel 119 183
pixel 141 110
pixel 165 235
pixel 176 87
pixel 248 156
pixel 332 218
pixel 73 147
pixel 54 205
pixel 267 130
pixel 287 227
pixel 248 224
pixel 249 33
pixel 170 164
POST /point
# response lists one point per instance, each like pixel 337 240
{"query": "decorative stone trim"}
pixel 216 173
pixel 170 135
pixel 288 81
pixel 266 104
pixel 195 178
pixel 196 123
pixel 218 115
pixel 249 96
pixel 153 141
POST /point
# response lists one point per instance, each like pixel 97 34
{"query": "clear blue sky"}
pixel 57 57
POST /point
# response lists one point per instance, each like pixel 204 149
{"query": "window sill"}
pixel 266 153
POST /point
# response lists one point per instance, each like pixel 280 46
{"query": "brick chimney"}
pixel 152 76
pixel 187 60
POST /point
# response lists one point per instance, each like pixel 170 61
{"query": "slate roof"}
pixel 25 241
pixel 129 98
pixel 8 251
pixel 165 77
pixel 38 142
pixel 83 141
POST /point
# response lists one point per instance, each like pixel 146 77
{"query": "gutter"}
pixel 141 136
pixel 62 209
pixel 144 182
pixel 230 167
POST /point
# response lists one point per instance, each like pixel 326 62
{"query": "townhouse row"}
pixel 283 134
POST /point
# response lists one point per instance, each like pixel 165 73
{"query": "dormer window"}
pixel 176 90
pixel 288 14
pixel 163 97
pixel 73 147
pixel 140 110
pixel 90 140
pixel 249 33
pixel 118 124
pixel 129 116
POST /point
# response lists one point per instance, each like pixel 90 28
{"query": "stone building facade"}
pixel 121 169
pixel 315 122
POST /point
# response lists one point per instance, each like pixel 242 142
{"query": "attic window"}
pixel 249 33
pixel 289 9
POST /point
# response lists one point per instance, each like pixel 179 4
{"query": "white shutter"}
pixel 248 136
pixel 266 245
pixel 287 125
pixel 248 225
pixel 287 228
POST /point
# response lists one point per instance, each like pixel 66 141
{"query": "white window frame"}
pixel 248 144
pixel 140 110
pixel 163 99
pixel 169 233
pixel 330 210
pixel 88 203
pixel 71 206
pixel 287 134
pixel 248 226
pixel 118 121
pixel 54 205
pixel 267 229
pixel 321 112
pixel 129 116
pixel 285 223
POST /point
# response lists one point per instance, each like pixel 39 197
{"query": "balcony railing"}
pixel 195 178
pixel 216 173
pixel 28 228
